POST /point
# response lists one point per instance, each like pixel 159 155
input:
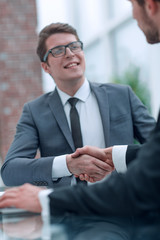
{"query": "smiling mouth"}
pixel 71 65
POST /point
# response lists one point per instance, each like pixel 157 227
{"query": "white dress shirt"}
pixel 119 158
pixel 92 134
pixel 92 131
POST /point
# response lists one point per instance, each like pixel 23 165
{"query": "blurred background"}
pixel 115 50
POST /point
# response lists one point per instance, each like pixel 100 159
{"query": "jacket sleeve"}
pixel 134 193
pixel 132 151
pixel 143 122
pixel 21 164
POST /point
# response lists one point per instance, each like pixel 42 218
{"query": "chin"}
pixel 77 76
pixel 152 41
pixel 152 36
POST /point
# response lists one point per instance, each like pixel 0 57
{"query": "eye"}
pixel 75 46
pixel 58 50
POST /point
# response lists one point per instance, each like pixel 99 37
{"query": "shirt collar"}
pixel 82 93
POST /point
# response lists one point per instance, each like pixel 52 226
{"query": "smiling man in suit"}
pixel 109 114
pixel 136 192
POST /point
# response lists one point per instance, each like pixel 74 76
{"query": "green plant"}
pixel 131 77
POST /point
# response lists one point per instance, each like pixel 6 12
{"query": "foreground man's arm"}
pixel 136 192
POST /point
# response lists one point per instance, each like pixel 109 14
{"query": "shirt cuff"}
pixel 59 168
pixel 119 158
pixel 44 201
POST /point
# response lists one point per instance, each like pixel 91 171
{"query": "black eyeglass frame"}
pixel 65 46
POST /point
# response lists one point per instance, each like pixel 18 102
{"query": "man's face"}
pixel 67 68
pixel 145 22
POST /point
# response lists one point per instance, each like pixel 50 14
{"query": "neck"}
pixel 71 87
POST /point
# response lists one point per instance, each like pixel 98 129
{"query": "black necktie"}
pixel 75 124
pixel 76 128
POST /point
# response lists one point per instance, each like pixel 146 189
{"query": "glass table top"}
pixel 25 226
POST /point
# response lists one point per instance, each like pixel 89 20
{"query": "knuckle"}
pixel 86 148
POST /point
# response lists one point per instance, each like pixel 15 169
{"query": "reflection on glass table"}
pixel 30 226
pixel 25 226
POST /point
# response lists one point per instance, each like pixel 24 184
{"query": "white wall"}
pixel 111 39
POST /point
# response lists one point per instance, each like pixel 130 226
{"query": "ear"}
pixel 151 7
pixel 45 67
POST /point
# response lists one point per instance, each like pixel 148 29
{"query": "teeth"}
pixel 72 64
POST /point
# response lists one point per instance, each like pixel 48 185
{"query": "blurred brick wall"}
pixel 20 71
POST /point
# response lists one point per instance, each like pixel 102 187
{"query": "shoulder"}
pixel 39 101
pixel 111 87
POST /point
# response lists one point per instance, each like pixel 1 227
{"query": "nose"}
pixel 69 53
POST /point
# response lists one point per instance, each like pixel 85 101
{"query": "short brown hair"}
pixel 50 29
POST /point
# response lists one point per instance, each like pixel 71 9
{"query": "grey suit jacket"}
pixel 43 125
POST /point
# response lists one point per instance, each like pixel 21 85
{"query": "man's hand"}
pixel 90 163
pixel 104 155
pixel 25 197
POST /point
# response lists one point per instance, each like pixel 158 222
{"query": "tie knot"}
pixel 73 101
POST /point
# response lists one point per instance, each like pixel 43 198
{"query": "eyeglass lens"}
pixel 61 50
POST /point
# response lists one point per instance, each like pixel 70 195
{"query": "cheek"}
pixel 134 13
pixel 83 60
pixel 134 10
pixel 55 65
pixel 84 65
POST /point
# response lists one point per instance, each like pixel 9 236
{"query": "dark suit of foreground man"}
pixel 136 192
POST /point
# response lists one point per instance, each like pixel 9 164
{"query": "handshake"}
pixel 88 163
pixel 91 164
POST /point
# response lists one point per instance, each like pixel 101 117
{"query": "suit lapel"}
pixel 59 114
pixel 102 99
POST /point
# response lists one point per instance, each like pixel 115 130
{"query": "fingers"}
pixel 76 175
pixel 18 197
pixel 9 198
pixel 101 154
pixel 93 163
pixel 92 151
pixel 84 150
pixel 103 165
pixel 93 179
pixel 9 193
pixel 82 177
pixel 10 202
pixel 109 162
pixel 75 154
pixel 88 178
pixel 86 164
pixel 96 171
pixel 85 177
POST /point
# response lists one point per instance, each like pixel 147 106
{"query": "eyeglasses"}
pixel 60 50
